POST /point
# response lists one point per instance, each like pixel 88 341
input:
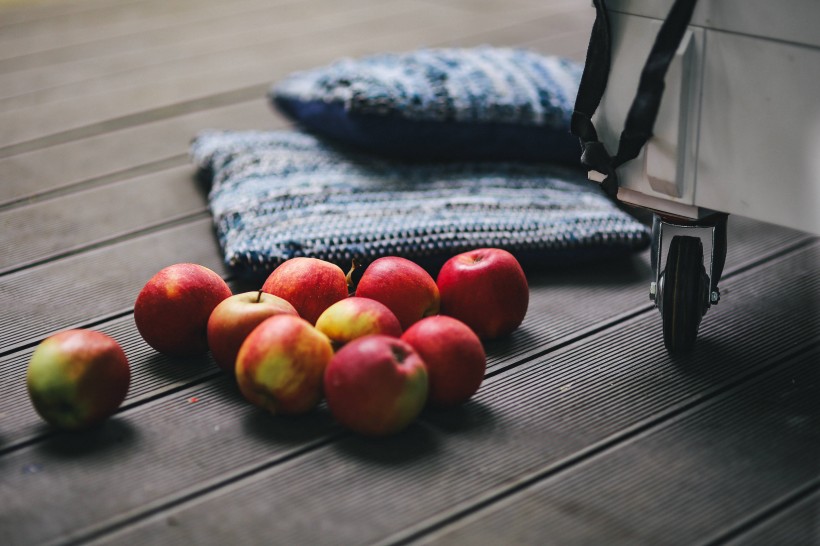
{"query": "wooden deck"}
pixel 584 432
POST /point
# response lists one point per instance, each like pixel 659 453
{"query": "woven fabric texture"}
pixel 470 103
pixel 277 195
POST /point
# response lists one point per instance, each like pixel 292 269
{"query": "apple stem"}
pixel 259 296
pixel 399 354
pixel 351 284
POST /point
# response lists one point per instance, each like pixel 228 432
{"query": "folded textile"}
pixel 277 195
pixel 482 103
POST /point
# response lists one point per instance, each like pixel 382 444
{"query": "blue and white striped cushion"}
pixel 278 195
pixel 472 103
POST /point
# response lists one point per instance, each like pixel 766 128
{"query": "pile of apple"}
pixel 378 355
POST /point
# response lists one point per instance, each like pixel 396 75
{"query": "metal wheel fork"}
pixel 687 262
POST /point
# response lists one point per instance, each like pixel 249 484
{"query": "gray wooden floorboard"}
pixel 115 22
pixel 182 44
pixel 122 154
pixel 57 227
pixel 693 477
pixel 97 283
pixel 37 11
pixel 797 524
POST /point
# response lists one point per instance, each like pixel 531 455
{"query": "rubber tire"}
pixel 683 294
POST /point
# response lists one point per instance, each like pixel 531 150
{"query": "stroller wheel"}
pixel 685 294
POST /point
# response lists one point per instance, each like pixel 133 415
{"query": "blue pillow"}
pixel 278 195
pixel 473 104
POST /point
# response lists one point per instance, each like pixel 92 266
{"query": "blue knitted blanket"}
pixel 482 103
pixel 277 195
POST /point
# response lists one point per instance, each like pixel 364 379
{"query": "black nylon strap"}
pixel 644 110
pixel 594 77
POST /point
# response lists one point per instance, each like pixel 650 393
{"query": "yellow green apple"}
pixel 77 378
pixel 356 317
pixel 281 364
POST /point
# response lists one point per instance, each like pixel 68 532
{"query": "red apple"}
pixel 454 357
pixel 309 284
pixel 376 385
pixel 403 286
pixel 486 289
pixel 355 317
pixel 281 365
pixel 77 378
pixel 173 308
pixel 234 318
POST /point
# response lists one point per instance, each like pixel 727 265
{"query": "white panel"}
pixel 666 154
pixel 632 39
pixel 787 20
pixel 760 131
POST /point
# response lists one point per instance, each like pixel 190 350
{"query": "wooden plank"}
pixel 15 12
pixel 682 484
pixel 570 44
pixel 245 72
pixel 181 43
pixel 119 20
pixel 499 8
pixel 563 31
pixel 85 218
pixel 532 417
pixel 121 154
pixel 96 284
pixel 798 524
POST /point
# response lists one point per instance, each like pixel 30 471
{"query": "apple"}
pixel 172 309
pixel 454 357
pixel 356 317
pixel 77 378
pixel 403 286
pixel 281 365
pixel 309 284
pixel 376 385
pixel 234 318
pixel 486 289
